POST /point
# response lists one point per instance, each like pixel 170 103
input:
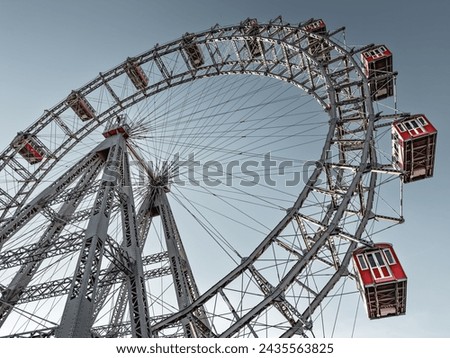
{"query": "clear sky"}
pixel 48 48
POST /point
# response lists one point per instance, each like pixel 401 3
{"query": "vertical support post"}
pixel 144 219
pixel 195 324
pixel 76 319
pixel 139 312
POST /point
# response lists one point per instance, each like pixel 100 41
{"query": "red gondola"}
pixel 381 280
pixel 378 68
pixel 317 47
pixel 413 147
pixel 251 28
pixel 80 106
pixel 136 74
pixel 29 147
pixel 193 51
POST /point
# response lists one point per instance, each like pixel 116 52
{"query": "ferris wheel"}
pixel 226 184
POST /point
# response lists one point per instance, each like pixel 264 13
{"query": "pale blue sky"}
pixel 51 47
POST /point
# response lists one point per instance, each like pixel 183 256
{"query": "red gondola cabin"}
pixel 250 28
pixel 80 106
pixel 381 280
pixel 136 74
pixel 193 51
pixel 413 147
pixel 317 47
pixel 377 63
pixel 29 147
